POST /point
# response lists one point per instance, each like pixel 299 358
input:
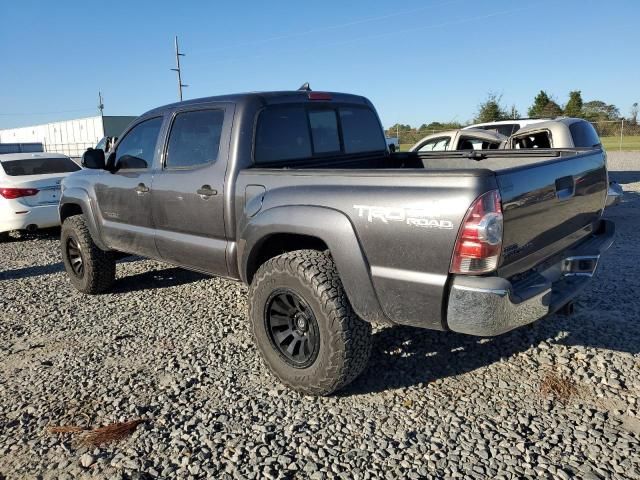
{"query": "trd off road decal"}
pixel 424 217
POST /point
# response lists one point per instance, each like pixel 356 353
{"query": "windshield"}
pixel 38 166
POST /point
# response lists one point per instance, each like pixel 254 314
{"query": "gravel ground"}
pixel 172 347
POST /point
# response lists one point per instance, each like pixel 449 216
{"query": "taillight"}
pixel 13 193
pixel 479 241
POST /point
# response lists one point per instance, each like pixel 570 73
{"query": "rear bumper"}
pixel 488 306
pixel 44 216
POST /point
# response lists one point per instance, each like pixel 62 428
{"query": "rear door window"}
pixel 39 166
pixel 194 139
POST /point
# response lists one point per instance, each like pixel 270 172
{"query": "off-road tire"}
pixel 99 265
pixel 345 339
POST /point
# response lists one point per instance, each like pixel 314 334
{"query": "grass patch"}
pixel 109 433
pixel 629 143
pixel 557 386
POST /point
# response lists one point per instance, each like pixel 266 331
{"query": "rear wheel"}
pixel 4 236
pixel 90 269
pixel 303 324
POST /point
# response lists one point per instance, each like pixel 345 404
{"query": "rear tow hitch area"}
pixel 567 309
pixel 581 265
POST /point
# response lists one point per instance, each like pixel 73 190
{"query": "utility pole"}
pixel 177 69
pixel 100 104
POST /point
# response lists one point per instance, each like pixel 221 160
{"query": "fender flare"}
pixel 336 231
pixel 79 197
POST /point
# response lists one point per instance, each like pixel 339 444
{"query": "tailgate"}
pixel 549 206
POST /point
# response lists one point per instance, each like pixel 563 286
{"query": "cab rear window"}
pixel 287 133
pixel 38 166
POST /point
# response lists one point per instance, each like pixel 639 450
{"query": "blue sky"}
pixel 418 61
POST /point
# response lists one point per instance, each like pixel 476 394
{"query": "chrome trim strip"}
pixel 409 276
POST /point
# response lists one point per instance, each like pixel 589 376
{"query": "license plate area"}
pixel 582 265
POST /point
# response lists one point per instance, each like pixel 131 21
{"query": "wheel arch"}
pixel 76 201
pixel 285 229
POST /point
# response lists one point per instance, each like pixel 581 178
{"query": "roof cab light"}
pixel 319 96
pixel 13 193
pixel 479 242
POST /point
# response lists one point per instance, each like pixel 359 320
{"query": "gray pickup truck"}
pixel 296 194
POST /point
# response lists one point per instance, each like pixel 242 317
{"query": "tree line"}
pixel 544 106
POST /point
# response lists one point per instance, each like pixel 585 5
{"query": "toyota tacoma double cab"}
pixel 296 194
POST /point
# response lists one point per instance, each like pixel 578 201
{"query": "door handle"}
pixel 206 191
pixel 141 189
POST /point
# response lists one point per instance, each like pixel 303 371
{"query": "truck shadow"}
pixel 154 279
pixel 406 356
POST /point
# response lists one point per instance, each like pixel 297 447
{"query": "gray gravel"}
pixel 173 347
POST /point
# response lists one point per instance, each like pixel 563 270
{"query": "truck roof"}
pixel 267 98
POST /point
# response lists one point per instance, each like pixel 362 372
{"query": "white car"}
pixel 508 127
pixel 30 190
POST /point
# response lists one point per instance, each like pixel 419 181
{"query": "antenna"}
pixel 177 69
pixel 305 87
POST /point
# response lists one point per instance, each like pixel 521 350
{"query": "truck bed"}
pixel 551 200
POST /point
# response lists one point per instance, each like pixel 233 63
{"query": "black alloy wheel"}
pixel 74 253
pixel 292 328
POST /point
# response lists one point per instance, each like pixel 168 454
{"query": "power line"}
pixel 333 27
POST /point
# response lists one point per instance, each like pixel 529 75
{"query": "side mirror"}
pixel 94 159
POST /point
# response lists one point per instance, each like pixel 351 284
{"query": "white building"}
pixel 70 137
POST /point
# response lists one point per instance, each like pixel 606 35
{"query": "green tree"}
pixel 539 102
pixel 491 110
pixel 573 108
pixel 598 111
pixel 551 109
pixel 513 112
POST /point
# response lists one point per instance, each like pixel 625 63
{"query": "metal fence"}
pixel 619 133
pixel 74 150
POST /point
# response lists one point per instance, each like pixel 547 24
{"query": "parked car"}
pixel 467 139
pixel 30 190
pixel 507 127
pixel 563 133
pixel 296 195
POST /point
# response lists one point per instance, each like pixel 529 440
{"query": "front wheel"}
pixel 303 324
pixel 90 269
pixel 4 236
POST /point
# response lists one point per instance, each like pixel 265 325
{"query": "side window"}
pixel 137 148
pixel 533 140
pixel 194 139
pixel 435 145
pixel 324 131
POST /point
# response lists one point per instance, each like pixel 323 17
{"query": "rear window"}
pixel 38 166
pixel 584 135
pixel 303 133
